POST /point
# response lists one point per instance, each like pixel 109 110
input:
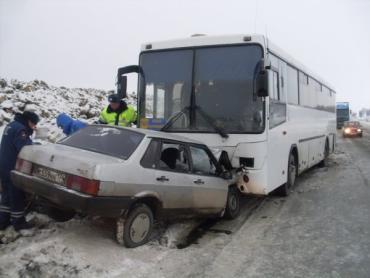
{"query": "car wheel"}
pixel 138 226
pixel 232 209
pixel 284 189
pixel 60 215
pixel 324 162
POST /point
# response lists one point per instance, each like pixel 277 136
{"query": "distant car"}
pixel 133 175
pixel 352 128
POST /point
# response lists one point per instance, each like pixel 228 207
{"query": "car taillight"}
pixel 23 166
pixel 83 185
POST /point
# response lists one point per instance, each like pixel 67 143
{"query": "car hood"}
pixel 67 159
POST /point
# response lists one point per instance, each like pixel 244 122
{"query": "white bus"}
pixel 243 97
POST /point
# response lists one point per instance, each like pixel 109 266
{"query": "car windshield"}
pixel 352 124
pixel 202 90
pixel 107 140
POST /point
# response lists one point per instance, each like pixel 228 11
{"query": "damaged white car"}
pixel 133 175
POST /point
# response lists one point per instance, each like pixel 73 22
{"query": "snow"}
pixel 82 247
pixel 49 101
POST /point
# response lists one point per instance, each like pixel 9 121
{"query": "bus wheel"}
pixel 324 162
pixel 284 190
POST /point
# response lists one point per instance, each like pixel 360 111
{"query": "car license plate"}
pixel 50 175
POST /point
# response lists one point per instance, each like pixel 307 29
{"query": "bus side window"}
pixel 277 108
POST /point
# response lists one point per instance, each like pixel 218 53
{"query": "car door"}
pixel 172 177
pixel 209 190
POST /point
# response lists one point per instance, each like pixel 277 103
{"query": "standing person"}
pixel 17 134
pixel 118 113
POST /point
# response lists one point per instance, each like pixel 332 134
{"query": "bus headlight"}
pixel 359 130
pixel 347 130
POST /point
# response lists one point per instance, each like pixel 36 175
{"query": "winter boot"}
pixel 4 225
pixel 22 225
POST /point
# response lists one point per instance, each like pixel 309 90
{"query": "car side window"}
pixel 150 157
pixel 174 157
pixel 202 162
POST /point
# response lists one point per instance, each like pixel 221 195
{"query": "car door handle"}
pixel 199 181
pixel 162 178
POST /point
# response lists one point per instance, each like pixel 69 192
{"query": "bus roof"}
pixel 203 40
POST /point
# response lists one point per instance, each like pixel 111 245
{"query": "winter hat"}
pixel 114 98
pixel 31 116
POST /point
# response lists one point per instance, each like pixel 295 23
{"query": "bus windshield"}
pixel 202 90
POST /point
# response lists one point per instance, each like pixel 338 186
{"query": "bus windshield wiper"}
pixel 211 121
pixel 174 118
pixel 208 118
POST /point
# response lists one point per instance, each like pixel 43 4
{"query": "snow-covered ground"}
pixel 48 101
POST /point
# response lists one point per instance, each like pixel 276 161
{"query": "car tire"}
pixel 232 209
pixel 284 190
pixel 324 162
pixel 138 226
pixel 60 215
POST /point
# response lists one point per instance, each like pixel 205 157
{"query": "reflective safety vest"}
pixel 126 118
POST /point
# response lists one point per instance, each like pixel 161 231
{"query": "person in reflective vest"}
pixel 118 113
pixel 17 134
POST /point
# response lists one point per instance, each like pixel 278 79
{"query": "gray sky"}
pixel 81 43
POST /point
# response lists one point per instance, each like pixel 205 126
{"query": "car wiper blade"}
pixel 174 118
pixel 211 122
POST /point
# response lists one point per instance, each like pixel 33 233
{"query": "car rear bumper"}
pixel 70 199
pixel 352 134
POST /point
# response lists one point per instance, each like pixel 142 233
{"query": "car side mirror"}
pixel 226 175
pixel 262 84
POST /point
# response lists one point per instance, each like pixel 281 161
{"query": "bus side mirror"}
pixel 122 86
pixel 262 84
pixel 122 78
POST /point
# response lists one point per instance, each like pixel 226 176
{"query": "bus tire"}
pixel 284 190
pixel 324 162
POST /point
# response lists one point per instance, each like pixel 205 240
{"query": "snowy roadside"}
pixel 82 247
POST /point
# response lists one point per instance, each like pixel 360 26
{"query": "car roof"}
pixel 159 134
pixel 167 135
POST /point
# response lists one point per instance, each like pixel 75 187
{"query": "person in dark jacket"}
pixel 17 134
pixel 68 124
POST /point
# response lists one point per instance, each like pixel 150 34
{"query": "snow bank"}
pixel 48 101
